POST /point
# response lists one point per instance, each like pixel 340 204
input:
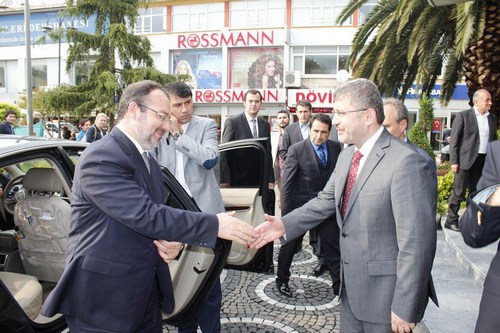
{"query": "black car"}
pixel 37 175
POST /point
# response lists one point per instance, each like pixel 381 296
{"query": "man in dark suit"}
pixel 308 167
pixel 114 279
pixel 190 151
pixel 299 130
pixel 7 127
pixel 470 133
pixel 283 120
pixel 245 126
pixel 480 226
pixel 396 122
pixel 381 191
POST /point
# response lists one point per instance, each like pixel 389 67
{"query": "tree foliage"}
pixel 418 134
pixel 406 42
pixel 119 57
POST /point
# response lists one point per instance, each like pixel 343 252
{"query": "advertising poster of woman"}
pixel 204 68
pixel 256 68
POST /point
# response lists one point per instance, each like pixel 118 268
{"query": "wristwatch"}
pixel 176 136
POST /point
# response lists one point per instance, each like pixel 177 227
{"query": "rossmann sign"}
pixel 236 96
pixel 228 39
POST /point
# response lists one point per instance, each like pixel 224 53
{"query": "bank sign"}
pixel 460 92
pixel 12 29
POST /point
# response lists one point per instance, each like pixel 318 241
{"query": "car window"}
pixel 241 168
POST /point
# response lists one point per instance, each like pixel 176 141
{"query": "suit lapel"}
pixel 312 156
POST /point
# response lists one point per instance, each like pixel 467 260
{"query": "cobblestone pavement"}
pixel 251 302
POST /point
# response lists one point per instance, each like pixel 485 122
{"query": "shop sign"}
pixel 319 98
pixel 235 96
pixel 226 39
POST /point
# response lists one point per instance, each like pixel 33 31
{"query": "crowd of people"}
pixel 366 194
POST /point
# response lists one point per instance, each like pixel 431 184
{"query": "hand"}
pixel 268 231
pixel 398 325
pixel 494 200
pixel 454 168
pixel 168 250
pixel 174 125
pixel 234 229
pixel 224 185
pixel 271 186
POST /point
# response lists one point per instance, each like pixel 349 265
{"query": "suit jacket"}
pixel 291 136
pixel 479 235
pixel 430 162
pixel 388 235
pixel 112 264
pixel 302 179
pixel 237 128
pixel 200 147
pixel 6 128
pixel 464 143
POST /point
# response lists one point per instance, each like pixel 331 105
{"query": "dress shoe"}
pixel 452 226
pixel 336 288
pixel 283 288
pixel 319 270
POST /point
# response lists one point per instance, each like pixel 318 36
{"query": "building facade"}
pixel 288 49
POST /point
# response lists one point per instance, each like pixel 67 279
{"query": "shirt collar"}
pixel 249 118
pixel 366 148
pixel 134 141
pixel 478 114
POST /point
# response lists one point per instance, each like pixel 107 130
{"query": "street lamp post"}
pixel 29 85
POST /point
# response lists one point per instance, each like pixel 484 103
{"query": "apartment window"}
pixel 209 16
pixel 327 60
pixel 2 76
pixel 317 12
pixel 257 13
pixel 39 74
pixel 81 72
pixel 150 20
pixel 366 9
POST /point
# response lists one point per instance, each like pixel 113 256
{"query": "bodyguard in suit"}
pixel 396 123
pixel 470 133
pixel 7 127
pixel 245 126
pixel 283 120
pixel 480 226
pixel 308 167
pixel 299 130
pixel 115 280
pixel 190 151
pixel 381 191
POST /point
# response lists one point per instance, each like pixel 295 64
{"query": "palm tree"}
pixel 404 42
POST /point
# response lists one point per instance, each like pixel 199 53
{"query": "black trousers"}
pixel 464 179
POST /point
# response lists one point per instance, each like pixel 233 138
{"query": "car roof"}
pixel 15 143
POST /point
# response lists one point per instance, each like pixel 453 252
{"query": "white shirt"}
pixel 250 123
pixel 367 147
pixel 484 130
pixel 304 129
pixel 179 164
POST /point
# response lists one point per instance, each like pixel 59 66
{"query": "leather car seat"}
pixel 26 290
pixel 43 218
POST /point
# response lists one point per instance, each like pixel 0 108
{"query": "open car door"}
pixel 245 191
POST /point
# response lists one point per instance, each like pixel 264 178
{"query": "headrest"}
pixel 42 180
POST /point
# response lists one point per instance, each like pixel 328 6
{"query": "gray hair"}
pixel 478 94
pixel 402 111
pixel 361 94
pixel 136 92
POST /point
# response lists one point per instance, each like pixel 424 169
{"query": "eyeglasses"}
pixel 343 113
pixel 164 117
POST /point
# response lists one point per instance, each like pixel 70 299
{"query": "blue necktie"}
pixel 322 155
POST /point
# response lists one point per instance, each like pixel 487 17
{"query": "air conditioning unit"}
pixel 292 79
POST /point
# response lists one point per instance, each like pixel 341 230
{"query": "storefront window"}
pixel 209 16
pixel 2 76
pixel 317 12
pixel 81 72
pixel 366 9
pixel 39 75
pixel 202 68
pixel 257 13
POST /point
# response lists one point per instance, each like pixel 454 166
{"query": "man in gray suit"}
pixel 470 133
pixel 190 151
pixel 386 214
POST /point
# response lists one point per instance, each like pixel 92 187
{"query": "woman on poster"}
pixel 184 68
pixel 266 73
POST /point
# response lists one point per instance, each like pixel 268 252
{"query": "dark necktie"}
pixel 351 179
pixel 322 155
pixel 146 160
pixel 254 128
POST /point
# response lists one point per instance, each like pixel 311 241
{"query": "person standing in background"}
pixel 98 130
pixel 7 127
pixel 84 126
pixel 283 119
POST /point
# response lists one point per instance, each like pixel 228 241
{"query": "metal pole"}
pixel 29 85
pixel 59 78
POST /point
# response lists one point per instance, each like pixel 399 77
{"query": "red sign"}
pixel 314 110
pixel 318 97
pixel 230 39
pixel 436 125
